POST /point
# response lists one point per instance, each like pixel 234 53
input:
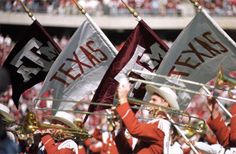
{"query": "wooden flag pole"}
pixel 81 9
pixel 30 14
pixel 132 11
pixel 196 4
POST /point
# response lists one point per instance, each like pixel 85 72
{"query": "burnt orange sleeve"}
pixel 143 131
pixel 233 130
pixel 49 144
pixel 220 129
pixel 210 138
pixel 110 147
pixel 51 147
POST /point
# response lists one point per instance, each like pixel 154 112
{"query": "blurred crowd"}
pixel 116 7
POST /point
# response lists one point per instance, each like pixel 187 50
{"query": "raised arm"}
pixel 217 124
pixel 143 131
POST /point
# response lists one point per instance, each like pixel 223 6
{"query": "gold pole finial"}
pixel 81 9
pixel 131 10
pixel 196 4
pixel 30 14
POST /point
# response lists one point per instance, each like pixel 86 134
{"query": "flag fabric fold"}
pixel 30 60
pixel 198 52
pixel 143 50
pixel 80 67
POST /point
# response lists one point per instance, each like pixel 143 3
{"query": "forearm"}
pixel 49 143
pixel 220 129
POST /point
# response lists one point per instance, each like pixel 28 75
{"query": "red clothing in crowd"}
pixel 81 149
pixel 109 147
pixel 102 147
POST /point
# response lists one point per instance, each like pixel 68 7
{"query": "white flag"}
pixel 79 68
pixel 198 52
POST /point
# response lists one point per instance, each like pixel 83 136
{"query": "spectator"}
pixel 115 7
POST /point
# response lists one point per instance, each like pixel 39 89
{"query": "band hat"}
pixel 166 93
pixel 64 117
pixel 5 112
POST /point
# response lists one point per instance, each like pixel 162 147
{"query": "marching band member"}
pixel 105 133
pixel 108 140
pixel 94 143
pixel 226 136
pixel 7 139
pixel 46 141
pixel 5 116
pixel 109 145
pixel 81 145
pixel 154 136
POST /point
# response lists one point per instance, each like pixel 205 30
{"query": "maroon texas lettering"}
pixel 104 56
pixel 93 59
pixel 208 37
pixel 69 72
pixel 187 60
pixel 66 72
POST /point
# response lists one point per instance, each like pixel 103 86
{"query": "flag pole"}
pixel 132 11
pixel 30 14
pixel 104 37
pixel 196 4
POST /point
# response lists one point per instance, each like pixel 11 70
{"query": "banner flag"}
pixel 143 50
pixel 198 52
pixel 79 69
pixel 30 59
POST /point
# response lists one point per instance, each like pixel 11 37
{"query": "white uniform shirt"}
pixel 175 149
pixel 214 148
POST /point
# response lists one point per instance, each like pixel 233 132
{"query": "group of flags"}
pixel 89 64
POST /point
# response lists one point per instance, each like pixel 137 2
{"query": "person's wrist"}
pixel 123 100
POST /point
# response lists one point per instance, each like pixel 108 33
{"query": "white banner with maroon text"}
pixel 79 69
pixel 198 52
